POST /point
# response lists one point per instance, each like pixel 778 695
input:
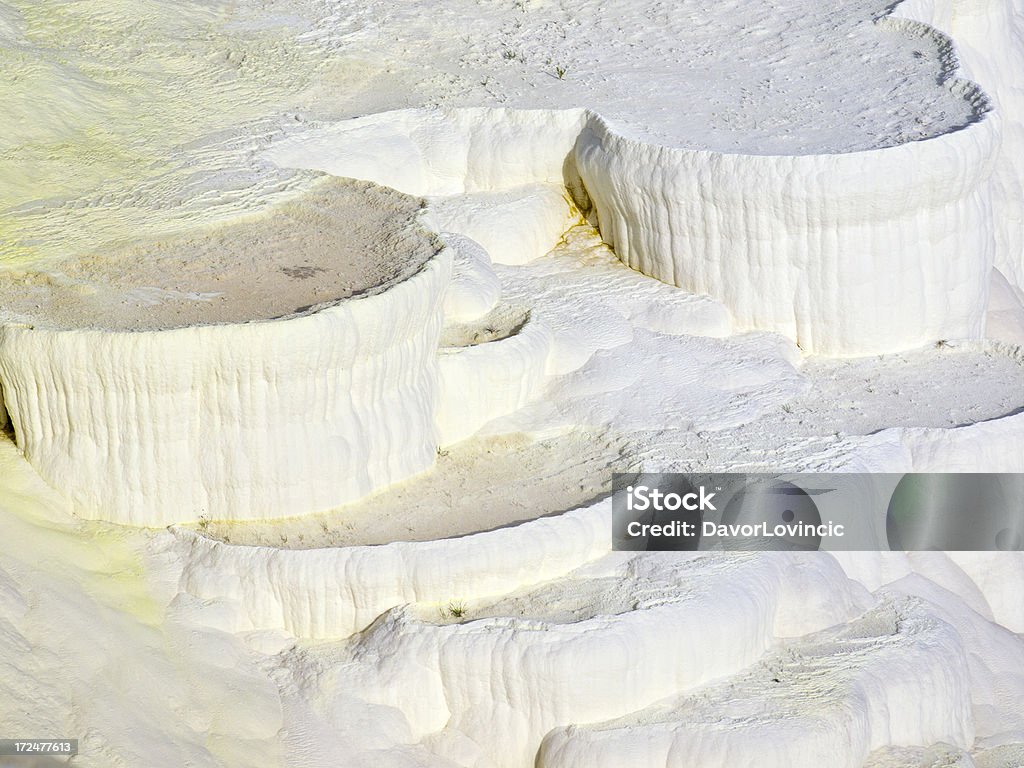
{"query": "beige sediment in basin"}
pixel 338 239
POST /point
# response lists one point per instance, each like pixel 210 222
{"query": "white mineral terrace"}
pixel 324 325
pixel 869 251
pixel 274 366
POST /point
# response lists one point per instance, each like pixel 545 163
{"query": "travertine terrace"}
pixel 325 323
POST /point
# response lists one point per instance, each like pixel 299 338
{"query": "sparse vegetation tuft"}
pixel 456 609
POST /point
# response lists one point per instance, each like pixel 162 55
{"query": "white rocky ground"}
pixel 473 615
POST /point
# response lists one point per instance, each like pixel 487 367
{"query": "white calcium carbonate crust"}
pixel 514 226
pixel 235 421
pixel 475 288
pixel 989 35
pixel 896 676
pixel 482 382
pixel 991 572
pixel 860 253
pixel 335 592
pixel 439 152
pixel 988 446
pixel 454 681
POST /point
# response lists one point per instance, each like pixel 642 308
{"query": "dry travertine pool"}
pixel 337 239
pixel 277 365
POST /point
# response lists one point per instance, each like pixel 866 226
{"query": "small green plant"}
pixel 456 609
pixel 204 523
pixel 560 72
pixel 511 54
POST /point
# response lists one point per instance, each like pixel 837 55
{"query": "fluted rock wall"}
pixel 847 254
pixel 989 37
pixel 263 419
pixel 337 592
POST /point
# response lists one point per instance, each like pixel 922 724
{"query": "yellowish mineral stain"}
pixel 104 561
pixel 126 114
